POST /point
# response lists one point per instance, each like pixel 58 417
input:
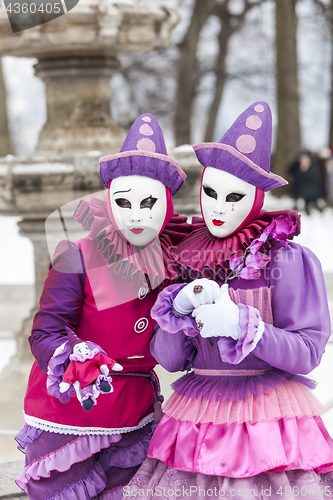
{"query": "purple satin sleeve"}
pixel 60 302
pixel 296 341
pixel 162 312
pixel 234 351
pixel 173 351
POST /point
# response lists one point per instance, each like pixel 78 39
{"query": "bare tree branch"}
pixel 185 93
pixel 230 23
pixel 288 131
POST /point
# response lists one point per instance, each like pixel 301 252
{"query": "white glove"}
pixel 64 386
pixel 199 292
pixel 105 370
pixel 220 319
pixel 117 367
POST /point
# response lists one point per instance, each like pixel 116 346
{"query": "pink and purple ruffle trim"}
pixel 243 450
pixel 288 399
pixel 84 488
pixel 131 451
pixel 62 459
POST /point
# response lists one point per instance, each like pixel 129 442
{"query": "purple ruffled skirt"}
pixel 155 480
pixel 68 467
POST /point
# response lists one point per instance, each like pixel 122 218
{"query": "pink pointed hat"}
pixel 245 149
pixel 143 153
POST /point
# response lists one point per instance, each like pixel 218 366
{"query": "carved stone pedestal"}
pixel 78 96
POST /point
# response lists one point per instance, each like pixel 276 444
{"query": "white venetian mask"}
pixel 225 201
pixel 138 206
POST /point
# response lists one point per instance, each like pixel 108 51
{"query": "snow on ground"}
pixel 16 254
pixel 8 348
pixel 316 230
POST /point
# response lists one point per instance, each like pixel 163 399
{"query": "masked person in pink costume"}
pixel 102 288
pixel 242 423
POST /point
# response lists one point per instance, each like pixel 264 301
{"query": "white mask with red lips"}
pixel 139 206
pixel 225 200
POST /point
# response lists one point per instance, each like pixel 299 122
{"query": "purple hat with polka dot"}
pixel 245 149
pixel 143 153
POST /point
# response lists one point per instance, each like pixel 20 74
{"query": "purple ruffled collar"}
pixel 201 253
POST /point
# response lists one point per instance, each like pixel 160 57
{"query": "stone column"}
pixel 34 229
pixel 78 97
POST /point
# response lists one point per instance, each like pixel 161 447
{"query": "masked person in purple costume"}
pixel 243 422
pixel 100 290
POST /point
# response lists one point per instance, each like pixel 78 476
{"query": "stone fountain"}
pixel 77 55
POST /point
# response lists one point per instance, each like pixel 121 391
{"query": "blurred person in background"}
pixel 306 181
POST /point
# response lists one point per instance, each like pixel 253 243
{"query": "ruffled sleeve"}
pixel 234 351
pixel 301 328
pixel 162 312
pixel 60 302
pixel 172 345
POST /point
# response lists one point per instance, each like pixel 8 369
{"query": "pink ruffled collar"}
pixel 154 261
pixel 204 254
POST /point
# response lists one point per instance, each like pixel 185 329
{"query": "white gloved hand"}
pixel 117 367
pixel 199 292
pixel 220 319
pixel 64 386
pixel 105 370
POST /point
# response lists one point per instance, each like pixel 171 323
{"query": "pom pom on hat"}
pixel 143 153
pixel 245 149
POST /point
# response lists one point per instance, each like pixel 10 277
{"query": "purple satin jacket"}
pixel 293 341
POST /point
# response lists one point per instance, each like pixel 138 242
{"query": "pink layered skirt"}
pixel 243 450
pixel 272 446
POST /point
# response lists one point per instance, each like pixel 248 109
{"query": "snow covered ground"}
pixel 316 229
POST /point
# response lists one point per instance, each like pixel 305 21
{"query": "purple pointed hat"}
pixel 72 338
pixel 245 149
pixel 143 153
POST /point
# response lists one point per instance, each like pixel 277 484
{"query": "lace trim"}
pixel 81 431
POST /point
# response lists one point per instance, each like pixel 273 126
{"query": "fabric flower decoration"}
pixel 253 263
pixel 279 229
pixel 247 265
pixel 236 260
pixel 282 229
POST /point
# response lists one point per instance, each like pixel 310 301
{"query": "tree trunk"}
pixel 330 20
pixel 5 146
pixel 288 132
pixel 224 36
pixel 186 71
